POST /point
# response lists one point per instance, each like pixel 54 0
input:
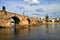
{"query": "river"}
pixel 42 32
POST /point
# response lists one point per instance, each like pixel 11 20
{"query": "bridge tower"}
pixel 46 18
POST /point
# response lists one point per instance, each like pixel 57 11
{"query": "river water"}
pixel 42 32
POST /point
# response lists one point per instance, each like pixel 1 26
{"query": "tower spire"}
pixel 46 17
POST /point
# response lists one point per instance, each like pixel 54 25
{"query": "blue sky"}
pixel 32 7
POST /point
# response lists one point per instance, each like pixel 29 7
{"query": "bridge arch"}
pixel 28 20
pixel 16 19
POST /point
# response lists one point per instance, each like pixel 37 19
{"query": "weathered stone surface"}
pixel 5 20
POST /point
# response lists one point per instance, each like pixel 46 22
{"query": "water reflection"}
pixel 29 28
pixel 14 31
pixel 47 28
pixel 42 32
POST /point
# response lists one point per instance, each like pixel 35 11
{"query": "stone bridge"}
pixel 7 17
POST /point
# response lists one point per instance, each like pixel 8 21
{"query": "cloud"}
pixel 25 0
pixel 20 7
pixel 39 10
pixel 32 1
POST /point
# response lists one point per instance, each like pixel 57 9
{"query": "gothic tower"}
pixel 46 18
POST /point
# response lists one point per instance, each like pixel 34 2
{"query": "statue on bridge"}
pixel 4 9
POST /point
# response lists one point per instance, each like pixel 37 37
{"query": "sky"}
pixel 33 8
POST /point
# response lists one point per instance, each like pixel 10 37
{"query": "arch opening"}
pixel 28 20
pixel 15 19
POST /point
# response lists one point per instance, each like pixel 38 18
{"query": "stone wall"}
pixel 5 20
